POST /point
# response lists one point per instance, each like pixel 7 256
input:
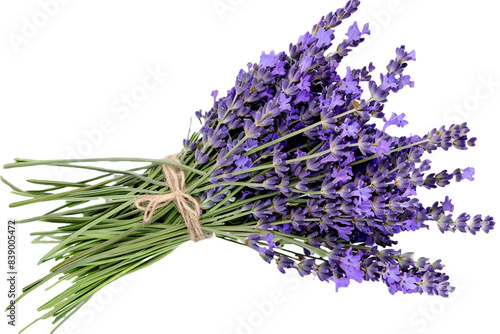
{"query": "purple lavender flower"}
pixel 397 120
pixel 295 132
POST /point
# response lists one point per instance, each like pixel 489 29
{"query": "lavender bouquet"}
pixel 287 163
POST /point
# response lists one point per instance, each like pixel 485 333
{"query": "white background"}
pixel 64 79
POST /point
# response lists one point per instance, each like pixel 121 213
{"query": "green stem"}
pixel 26 162
pixel 297 132
pixel 357 162
pixel 285 137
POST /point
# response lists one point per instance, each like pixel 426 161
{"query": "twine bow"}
pixel 187 206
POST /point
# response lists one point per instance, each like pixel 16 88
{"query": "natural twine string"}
pixel 188 207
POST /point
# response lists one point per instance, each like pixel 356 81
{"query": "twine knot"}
pixel 188 207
